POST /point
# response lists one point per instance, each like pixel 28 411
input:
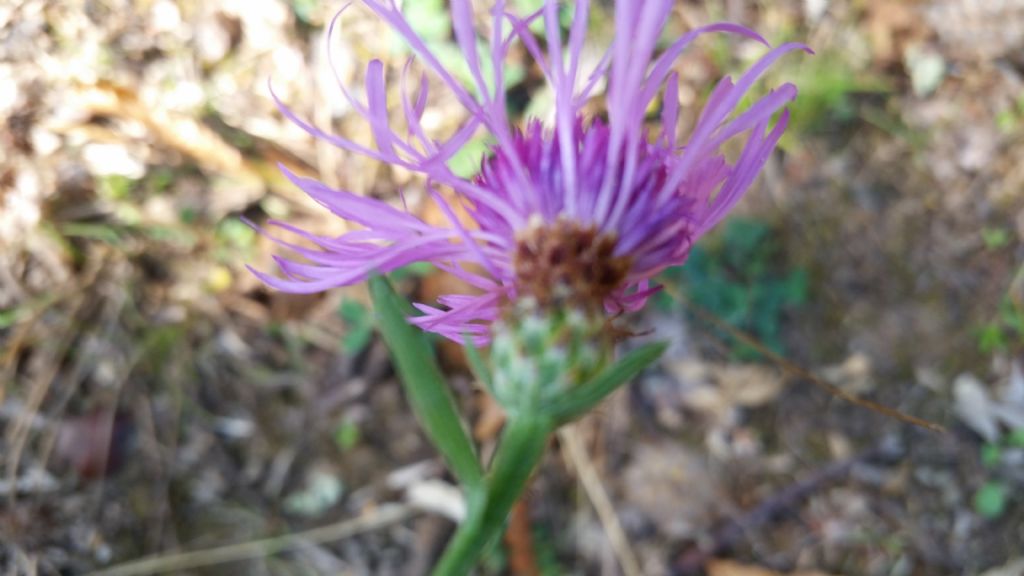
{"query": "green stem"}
pixel 522 446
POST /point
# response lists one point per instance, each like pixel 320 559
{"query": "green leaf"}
pixel 565 15
pixel 583 398
pixel 477 364
pixel 304 10
pixel 414 270
pixel 429 19
pixel 353 311
pixel 467 161
pixel 1006 121
pixel 355 339
pixel 115 187
pixel 358 324
pixel 428 393
pixel 346 435
pixel 1013 318
pixel 796 287
pixel 10 316
pixel 1016 438
pixel 990 500
pixel 991 338
pixel 995 238
pixel 522 445
pixel 234 233
pixel 991 454
pixel 92 231
pixel 739 275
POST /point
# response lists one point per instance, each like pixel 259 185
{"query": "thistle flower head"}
pixel 583 213
pixel 537 354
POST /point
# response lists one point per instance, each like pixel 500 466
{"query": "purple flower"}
pixel 584 213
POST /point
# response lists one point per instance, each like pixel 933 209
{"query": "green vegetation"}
pixel 738 275
pixel 996 238
pixel 992 499
pixel 358 320
pixel 1006 331
pixel 431 20
pixel 1009 119
pixel 347 435
pixel 829 86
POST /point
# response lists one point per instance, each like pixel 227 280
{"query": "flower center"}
pixel 568 263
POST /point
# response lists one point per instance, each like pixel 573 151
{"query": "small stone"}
pixel 112 160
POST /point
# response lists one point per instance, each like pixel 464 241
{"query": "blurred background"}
pixel 155 398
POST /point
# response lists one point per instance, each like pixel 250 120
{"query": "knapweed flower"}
pixel 583 213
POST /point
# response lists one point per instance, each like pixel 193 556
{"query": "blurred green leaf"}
pixel 1012 317
pixel 991 338
pixel 467 161
pixel 546 545
pixel 9 317
pixel 829 86
pixel 91 231
pixel 414 270
pixel 304 10
pixel 494 561
pixel 565 14
pixel 429 18
pixel 188 215
pixel 991 455
pixel 990 501
pixel 179 236
pixel 1006 121
pixel 235 233
pixel 995 238
pixel 738 274
pixel 114 187
pixel 358 326
pixel 159 179
pixel 347 435
pixel 1016 438
pixel 161 342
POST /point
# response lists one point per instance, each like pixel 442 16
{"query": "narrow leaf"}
pixel 521 448
pixel 428 393
pixel 477 364
pixel 583 398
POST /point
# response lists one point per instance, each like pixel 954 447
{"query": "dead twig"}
pixel 18 432
pixel 522 558
pixel 798 371
pixel 383 516
pixel 779 504
pixel 570 439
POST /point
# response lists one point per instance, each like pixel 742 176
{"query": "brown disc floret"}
pixel 566 263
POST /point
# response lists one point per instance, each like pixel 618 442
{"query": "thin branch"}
pixel 569 437
pixel 522 558
pixel 798 371
pixel 779 504
pixel 383 516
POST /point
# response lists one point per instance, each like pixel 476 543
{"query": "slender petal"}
pixel 583 214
